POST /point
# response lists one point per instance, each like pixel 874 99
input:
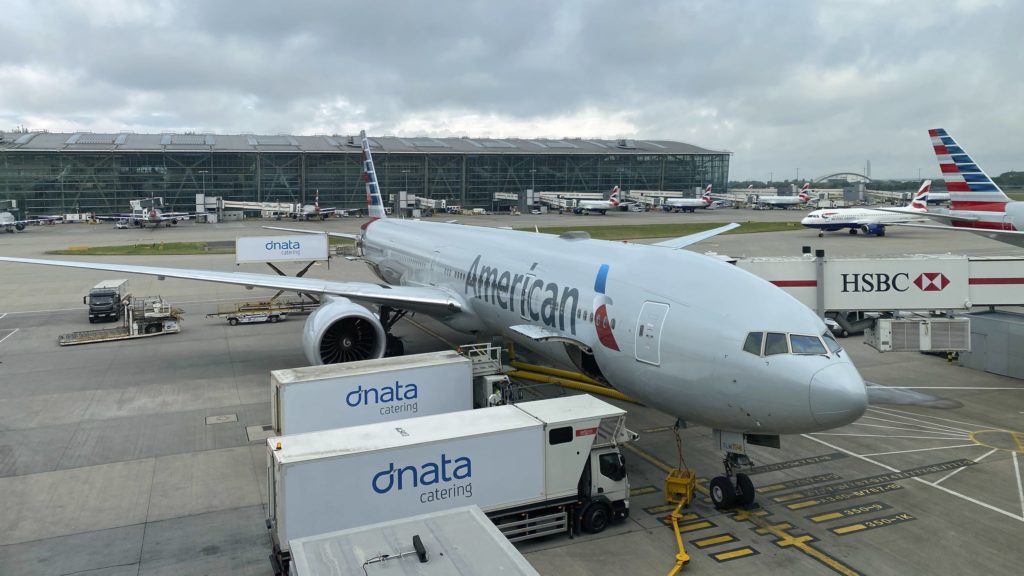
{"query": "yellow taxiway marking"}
pixel 694 526
pixel 714 540
pixel 850 528
pixel 734 554
pixel 640 491
pixel 826 517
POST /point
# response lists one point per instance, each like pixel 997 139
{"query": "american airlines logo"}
pixel 931 281
pixel 900 282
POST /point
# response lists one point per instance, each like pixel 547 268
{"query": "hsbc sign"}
pixel 899 282
pixel 909 283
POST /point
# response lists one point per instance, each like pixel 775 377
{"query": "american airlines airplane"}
pixel 634 316
pixel 977 204
pixel 688 204
pixel 868 220
pixel 599 206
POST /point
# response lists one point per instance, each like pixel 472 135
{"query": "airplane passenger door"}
pixel 648 332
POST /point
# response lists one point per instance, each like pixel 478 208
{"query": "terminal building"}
pixel 52 173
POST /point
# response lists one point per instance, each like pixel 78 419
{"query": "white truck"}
pixel 317 398
pixel 105 300
pixel 535 468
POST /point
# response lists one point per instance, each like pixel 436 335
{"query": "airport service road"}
pixel 144 456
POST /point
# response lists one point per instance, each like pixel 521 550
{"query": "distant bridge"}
pixel 848 176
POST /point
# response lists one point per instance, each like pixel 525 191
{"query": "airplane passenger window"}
pixel 775 344
pixel 753 343
pixel 803 344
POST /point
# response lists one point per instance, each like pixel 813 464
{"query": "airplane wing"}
pixel 419 299
pixel 684 241
pixel 1013 237
pixel 936 216
pixel 301 231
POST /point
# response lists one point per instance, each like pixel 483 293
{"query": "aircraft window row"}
pixel 586 316
pixel 774 343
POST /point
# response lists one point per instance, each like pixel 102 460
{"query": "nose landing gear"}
pixel 725 494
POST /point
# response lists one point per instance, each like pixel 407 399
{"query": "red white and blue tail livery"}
pixel 970 189
pixel 374 202
pixel 977 204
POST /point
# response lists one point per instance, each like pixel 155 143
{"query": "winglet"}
pixel 684 241
pixel 374 201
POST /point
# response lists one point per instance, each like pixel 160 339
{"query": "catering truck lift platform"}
pixel 140 318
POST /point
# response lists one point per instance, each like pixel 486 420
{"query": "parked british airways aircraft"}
pixel 976 203
pixel 9 223
pixel 599 206
pixel 868 220
pixel 632 315
pixel 784 202
pixel 688 204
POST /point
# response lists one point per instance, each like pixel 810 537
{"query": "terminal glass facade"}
pixel 52 182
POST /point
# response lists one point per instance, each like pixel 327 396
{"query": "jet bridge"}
pixel 910 283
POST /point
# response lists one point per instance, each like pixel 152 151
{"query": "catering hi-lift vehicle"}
pixel 140 317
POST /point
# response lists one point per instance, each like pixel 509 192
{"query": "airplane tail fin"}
pixel 374 202
pixel 969 187
pixel 706 197
pixel 614 198
pixel 316 202
pixel 920 201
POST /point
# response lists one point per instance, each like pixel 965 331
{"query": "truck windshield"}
pixel 102 300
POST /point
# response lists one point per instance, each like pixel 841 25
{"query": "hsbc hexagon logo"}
pixel 931 281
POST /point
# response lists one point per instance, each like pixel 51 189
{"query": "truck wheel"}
pixel 272 319
pixel 723 495
pixel 844 334
pixel 233 321
pixel 152 329
pixel 596 518
pixel 745 488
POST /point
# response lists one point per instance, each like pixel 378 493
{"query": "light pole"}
pixel 533 180
pixel 797 175
pixel 203 172
pixel 771 176
pixel 406 172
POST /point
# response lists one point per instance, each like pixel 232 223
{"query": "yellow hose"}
pixel 571 383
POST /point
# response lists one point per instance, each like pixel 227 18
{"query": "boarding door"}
pixel 648 332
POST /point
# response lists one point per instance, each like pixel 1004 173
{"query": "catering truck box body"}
pixel 535 468
pixel 104 299
pixel 355 393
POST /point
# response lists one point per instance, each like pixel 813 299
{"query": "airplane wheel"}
pixel 233 321
pixel 745 488
pixel 853 231
pixel 723 494
pixel 394 346
pixel 821 234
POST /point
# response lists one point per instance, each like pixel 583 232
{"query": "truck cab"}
pixel 604 490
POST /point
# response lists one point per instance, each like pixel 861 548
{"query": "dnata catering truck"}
pixel 104 299
pixel 354 393
pixel 535 468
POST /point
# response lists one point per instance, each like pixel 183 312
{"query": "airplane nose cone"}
pixel 838 395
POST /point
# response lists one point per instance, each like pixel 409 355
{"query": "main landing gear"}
pixel 725 494
pixel 388 318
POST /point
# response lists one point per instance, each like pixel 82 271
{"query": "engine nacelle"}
pixel 19 226
pixel 876 229
pixel 342 331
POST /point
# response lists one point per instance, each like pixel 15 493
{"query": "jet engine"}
pixel 342 331
pixel 19 226
pixel 876 229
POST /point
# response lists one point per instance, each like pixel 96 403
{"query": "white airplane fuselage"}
pixel 663 343
pixel 834 219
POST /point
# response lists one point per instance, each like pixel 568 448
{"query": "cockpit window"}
pixel 775 343
pixel 753 343
pixel 805 344
pixel 831 343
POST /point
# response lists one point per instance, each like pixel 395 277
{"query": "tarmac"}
pixel 145 456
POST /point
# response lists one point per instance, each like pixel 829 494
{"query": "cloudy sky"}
pixel 815 86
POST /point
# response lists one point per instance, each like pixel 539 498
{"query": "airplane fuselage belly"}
pixel 642 310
